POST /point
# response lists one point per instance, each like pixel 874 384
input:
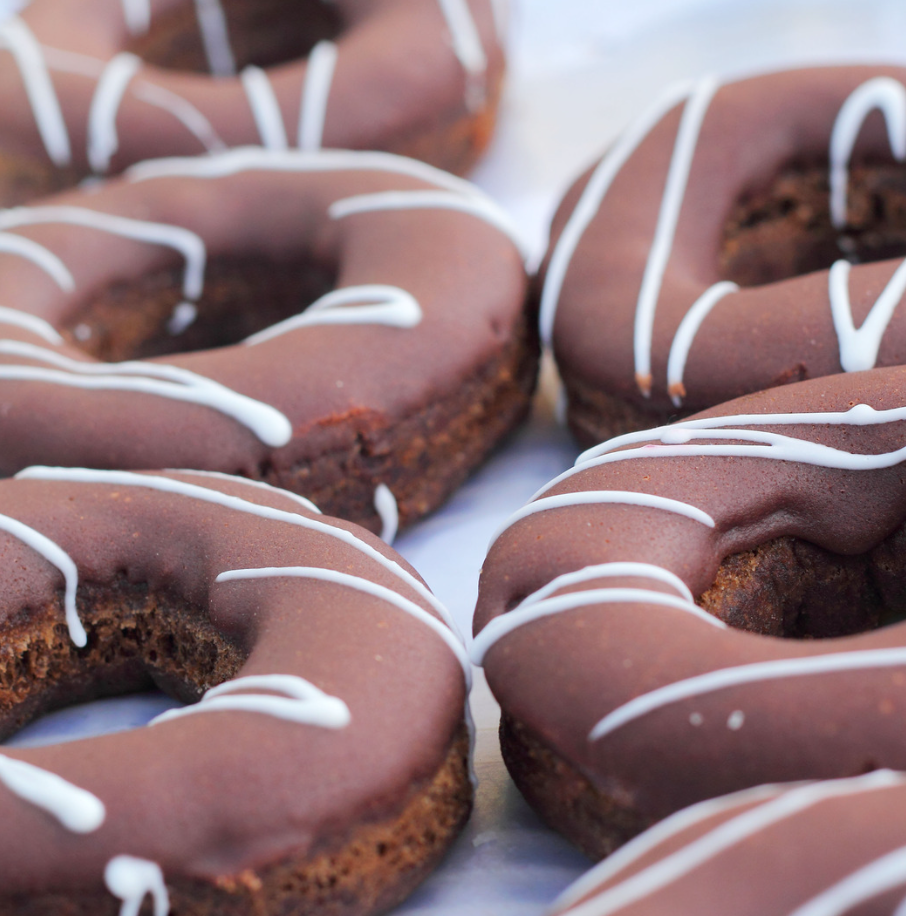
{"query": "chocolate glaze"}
pixel 758 848
pixel 343 388
pixel 211 795
pixel 748 132
pixel 398 85
pixel 562 674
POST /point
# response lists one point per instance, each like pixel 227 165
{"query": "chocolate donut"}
pixel 758 848
pixel 629 618
pixel 412 363
pixel 88 87
pixel 707 255
pixel 323 768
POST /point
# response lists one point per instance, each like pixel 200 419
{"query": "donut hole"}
pixel 785 230
pixel 794 589
pixel 260 32
pixel 137 640
pixel 242 295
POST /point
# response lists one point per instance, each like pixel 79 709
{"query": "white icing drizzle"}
pixel 56 556
pixel 678 439
pixel 450 637
pixel 76 809
pixel 137 15
pixel 468 49
pixel 40 256
pixel 881 92
pixel 390 306
pixel 186 242
pixel 685 335
pixel 725 678
pixel 159 379
pixel 103 141
pixel 17 38
pixel 662 244
pixel 215 37
pixel 859 348
pixel 594 497
pixel 592 198
pixel 536 610
pixel 132 879
pixel 306 504
pixel 609 571
pixel 302 703
pixel 883 874
pixel 319 70
pixel 182 317
pixel 388 512
pixel 32 323
pixel 480 207
pixel 750 823
pixel 246 158
pixel 168 485
pixel 265 108
pixel 661 832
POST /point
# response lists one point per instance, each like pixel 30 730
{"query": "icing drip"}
pixel 215 37
pixel 322 62
pixel 137 14
pixel 31 323
pixel 56 556
pixel 391 306
pixel 677 179
pixel 527 612
pixel 592 198
pixel 265 108
pixel 480 207
pixel 77 810
pixel 884 874
pixel 187 243
pixel 884 93
pixel 16 37
pixel 468 49
pixel 726 835
pixel 724 678
pixel 388 512
pixel 157 379
pixel 40 256
pixel 859 348
pixel 685 335
pixel 449 636
pixel 303 703
pixel 103 141
pixel 593 497
pixel 168 485
pixel 131 880
pixel 183 317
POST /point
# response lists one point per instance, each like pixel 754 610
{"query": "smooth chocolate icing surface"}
pixel 210 795
pixel 758 848
pixel 418 77
pixel 616 671
pixel 635 300
pixel 405 325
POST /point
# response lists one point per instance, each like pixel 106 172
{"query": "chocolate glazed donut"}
pixel 629 618
pixel 324 769
pixel 412 363
pixel 707 255
pixel 85 85
pixel 758 848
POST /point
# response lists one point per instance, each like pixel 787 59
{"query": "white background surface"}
pixel 579 71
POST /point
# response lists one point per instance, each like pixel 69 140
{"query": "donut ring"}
pixel 325 767
pixel 781 513
pixel 639 299
pixel 415 77
pixel 757 847
pixel 405 375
